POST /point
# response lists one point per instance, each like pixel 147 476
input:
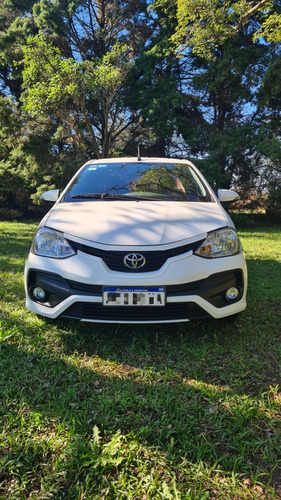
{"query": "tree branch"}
pixel 244 18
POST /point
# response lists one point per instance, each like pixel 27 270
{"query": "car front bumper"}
pixel 195 288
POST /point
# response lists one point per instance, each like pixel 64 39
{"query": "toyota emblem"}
pixel 134 260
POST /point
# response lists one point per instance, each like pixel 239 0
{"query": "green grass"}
pixel 185 411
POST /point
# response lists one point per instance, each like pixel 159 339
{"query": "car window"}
pixel 153 181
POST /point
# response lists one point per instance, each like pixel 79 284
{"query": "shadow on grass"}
pixel 244 354
pixel 205 391
pixel 180 416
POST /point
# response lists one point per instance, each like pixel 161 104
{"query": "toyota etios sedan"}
pixel 136 241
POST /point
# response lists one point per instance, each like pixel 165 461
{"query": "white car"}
pixel 136 240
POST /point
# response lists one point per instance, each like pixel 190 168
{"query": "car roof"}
pixel 140 160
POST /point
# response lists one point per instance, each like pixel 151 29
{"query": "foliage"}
pixel 206 25
pixel 274 199
pixel 13 185
pixel 62 89
pixel 16 24
pixel 269 134
pixel 94 78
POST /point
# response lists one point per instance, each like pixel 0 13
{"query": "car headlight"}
pixel 49 243
pixel 221 243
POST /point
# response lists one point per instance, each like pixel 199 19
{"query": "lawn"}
pixel 183 411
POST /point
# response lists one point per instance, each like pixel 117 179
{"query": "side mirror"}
pixel 226 195
pixel 51 196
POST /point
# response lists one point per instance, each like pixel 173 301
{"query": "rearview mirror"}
pixel 51 196
pixel 226 195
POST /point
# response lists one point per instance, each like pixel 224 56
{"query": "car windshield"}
pixel 137 180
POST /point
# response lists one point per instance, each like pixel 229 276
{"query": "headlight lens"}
pixel 49 243
pixel 220 243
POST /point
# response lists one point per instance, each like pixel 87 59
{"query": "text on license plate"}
pixel 133 296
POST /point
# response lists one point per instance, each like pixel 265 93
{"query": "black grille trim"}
pixel 154 259
pixel 211 289
pixel 183 289
pixel 169 312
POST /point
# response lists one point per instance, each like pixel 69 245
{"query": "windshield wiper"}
pixel 88 195
pixel 108 196
pixel 98 196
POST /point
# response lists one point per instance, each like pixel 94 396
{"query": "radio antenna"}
pixel 139 156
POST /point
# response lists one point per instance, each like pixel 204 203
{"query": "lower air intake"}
pixel 170 312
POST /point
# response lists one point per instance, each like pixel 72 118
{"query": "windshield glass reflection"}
pixel 153 181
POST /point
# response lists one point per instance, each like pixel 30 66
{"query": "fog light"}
pixel 232 293
pixel 38 293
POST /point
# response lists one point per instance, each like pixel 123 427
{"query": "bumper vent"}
pixel 170 312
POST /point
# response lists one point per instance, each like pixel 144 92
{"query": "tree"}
pixel 154 90
pixel 16 24
pixel 205 25
pixel 94 78
pixel 85 41
pixel 83 97
pixel 222 64
pixel 70 92
pixel 269 139
pixel 17 165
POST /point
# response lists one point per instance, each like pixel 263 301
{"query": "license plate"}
pixel 133 296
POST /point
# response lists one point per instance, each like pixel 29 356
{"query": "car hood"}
pixel 135 223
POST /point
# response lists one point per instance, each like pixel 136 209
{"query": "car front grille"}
pixel 169 312
pixel 154 259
